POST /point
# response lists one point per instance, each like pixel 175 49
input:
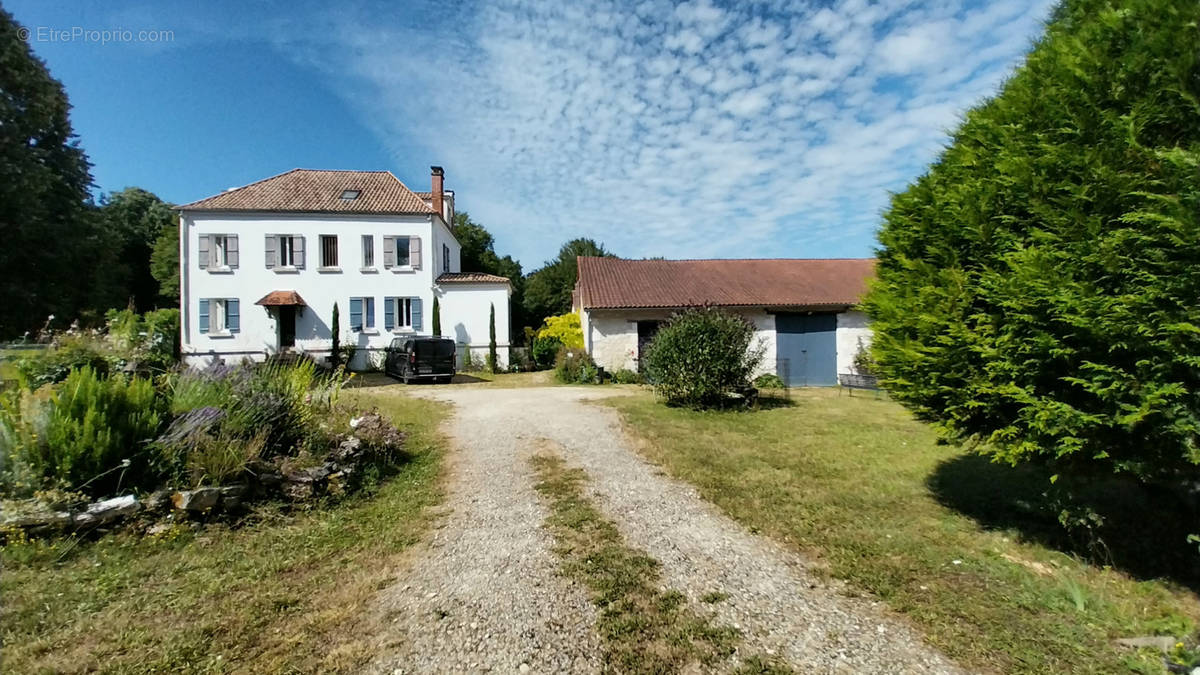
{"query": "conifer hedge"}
pixel 1039 288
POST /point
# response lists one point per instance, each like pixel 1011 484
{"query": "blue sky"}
pixel 696 129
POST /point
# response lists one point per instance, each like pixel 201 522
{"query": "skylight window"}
pixel 348 195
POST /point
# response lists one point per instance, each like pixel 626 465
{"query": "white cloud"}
pixel 678 130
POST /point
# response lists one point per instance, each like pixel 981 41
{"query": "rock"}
pixel 107 511
pixel 1163 643
pixel 157 529
pixel 524 668
pixel 38 519
pixel 159 500
pixel 231 495
pixel 306 483
pixel 201 499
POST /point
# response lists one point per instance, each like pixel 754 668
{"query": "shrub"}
pixel 1037 288
pixel 566 328
pixel 768 381
pixel 627 376
pixel 575 366
pixel 69 352
pixel 277 398
pixel 150 340
pixel 544 351
pixel 864 363
pixel 699 356
pixel 78 435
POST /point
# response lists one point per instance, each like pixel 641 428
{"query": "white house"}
pixel 803 310
pixel 261 267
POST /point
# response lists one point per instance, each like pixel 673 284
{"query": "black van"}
pixel 427 358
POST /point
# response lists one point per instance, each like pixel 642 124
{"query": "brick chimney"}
pixel 438 190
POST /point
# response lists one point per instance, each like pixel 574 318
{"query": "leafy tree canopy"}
pixel 548 289
pixel 1037 288
pixel 143 230
pixel 479 255
pixel 45 180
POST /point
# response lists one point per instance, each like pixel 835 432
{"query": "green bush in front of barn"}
pixel 700 356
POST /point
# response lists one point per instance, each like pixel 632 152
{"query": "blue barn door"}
pixel 806 347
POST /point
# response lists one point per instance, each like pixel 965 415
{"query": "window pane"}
pixel 329 250
pixel 402 251
pixel 369 308
pixel 368 245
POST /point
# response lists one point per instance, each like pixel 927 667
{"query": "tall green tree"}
pixel 164 264
pixel 135 221
pixel 1037 288
pixel 548 289
pixel 50 235
pixel 479 255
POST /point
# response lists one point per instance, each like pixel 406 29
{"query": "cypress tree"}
pixel 1038 288
pixel 491 357
pixel 335 355
pixel 437 317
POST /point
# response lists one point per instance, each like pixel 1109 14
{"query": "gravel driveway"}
pixel 484 594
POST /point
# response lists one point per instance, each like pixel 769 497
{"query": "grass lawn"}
pixel 283 593
pixel 962 547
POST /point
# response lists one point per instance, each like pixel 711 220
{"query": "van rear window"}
pixel 435 348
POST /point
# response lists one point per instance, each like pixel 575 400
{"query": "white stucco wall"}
pixel 442 235
pixel 611 336
pixel 853 333
pixel 320 288
pixel 465 311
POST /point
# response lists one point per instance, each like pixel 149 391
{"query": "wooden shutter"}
pixel 233 318
pixel 231 251
pixel 416 314
pixel 202 251
pixel 389 252
pixel 271 246
pixel 204 316
pixel 356 316
pixel 298 251
pixel 389 313
pixel 414 252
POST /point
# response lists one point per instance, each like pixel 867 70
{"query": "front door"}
pixel 287 327
pixel 806 349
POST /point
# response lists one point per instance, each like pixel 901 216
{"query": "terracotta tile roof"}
pixel 313 191
pixel 619 283
pixel 471 278
pixel 282 299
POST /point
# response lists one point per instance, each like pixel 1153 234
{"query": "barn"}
pixel 805 311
